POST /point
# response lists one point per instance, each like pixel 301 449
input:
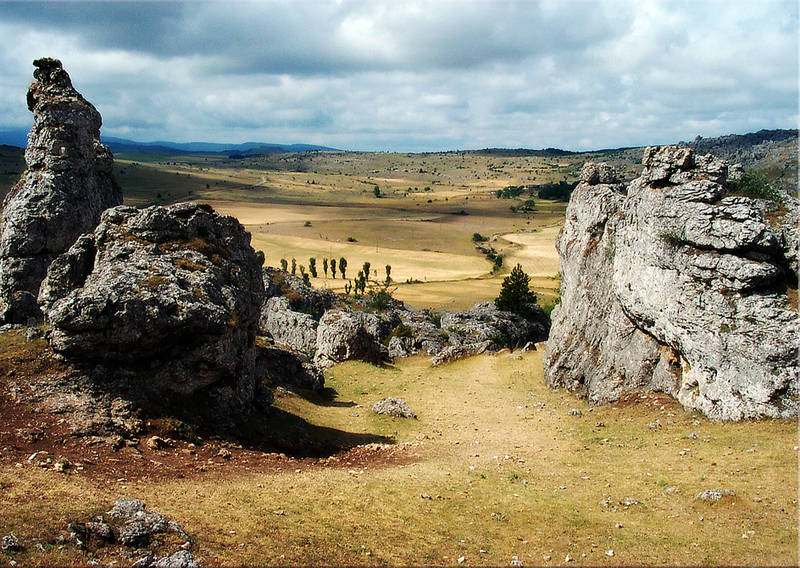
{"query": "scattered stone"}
pixel 692 435
pixel 62 465
pixel 714 494
pixel 670 490
pixel 568 558
pixel 609 553
pixel 156 443
pixel 393 407
pixel 575 412
pixel 426 496
pixel 224 453
pixel 10 543
pixel 654 425
pixel 599 425
pixel 630 501
pixel 456 352
pixel 179 559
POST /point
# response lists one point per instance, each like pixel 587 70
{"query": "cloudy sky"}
pixel 411 76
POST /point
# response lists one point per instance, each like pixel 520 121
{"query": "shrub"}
pixel 402 330
pixel 754 185
pixel 478 238
pixel 343 267
pixel 380 300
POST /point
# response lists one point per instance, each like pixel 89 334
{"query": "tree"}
pixel 333 268
pixel 325 266
pixel 376 191
pixel 312 266
pixel 388 273
pixel 365 268
pixel 284 265
pixel 516 295
pixel 294 266
pixel 343 266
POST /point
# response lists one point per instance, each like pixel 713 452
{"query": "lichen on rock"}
pixel 168 295
pixel 669 284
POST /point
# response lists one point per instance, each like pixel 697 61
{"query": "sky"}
pixel 415 76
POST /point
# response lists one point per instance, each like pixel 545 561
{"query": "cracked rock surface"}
pixel 670 284
pixel 67 184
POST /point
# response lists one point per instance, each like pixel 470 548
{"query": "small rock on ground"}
pixel 393 407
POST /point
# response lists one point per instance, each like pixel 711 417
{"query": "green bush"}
pixel 755 185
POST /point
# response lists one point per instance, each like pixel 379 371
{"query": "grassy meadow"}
pixel 494 467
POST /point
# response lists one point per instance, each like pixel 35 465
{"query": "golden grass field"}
pixel 493 468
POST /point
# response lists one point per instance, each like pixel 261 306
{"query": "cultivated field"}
pixel 323 205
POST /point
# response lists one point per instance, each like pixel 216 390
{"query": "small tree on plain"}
pixel 365 269
pixel 284 265
pixel 333 268
pixel 388 273
pixel 312 266
pixel 294 266
pixel 515 293
pixel 343 267
pixel 325 266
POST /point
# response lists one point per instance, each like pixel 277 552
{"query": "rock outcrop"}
pixel 169 297
pixel 325 328
pixel 343 335
pixel 67 184
pixel 670 284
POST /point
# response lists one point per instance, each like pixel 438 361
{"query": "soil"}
pixel 32 435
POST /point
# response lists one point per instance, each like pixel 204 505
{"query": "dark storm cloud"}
pixel 424 75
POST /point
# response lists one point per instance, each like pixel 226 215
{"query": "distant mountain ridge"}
pixel 730 142
pixel 19 137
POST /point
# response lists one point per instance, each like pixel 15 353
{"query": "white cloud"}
pixel 417 75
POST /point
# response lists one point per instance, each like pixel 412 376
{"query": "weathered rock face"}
pixel 170 295
pixel 67 184
pixel 343 335
pixel 671 285
pixel 295 330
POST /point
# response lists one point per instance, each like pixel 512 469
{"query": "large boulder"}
pixel 295 330
pixel 671 285
pixel 343 335
pixel 169 295
pixel 67 184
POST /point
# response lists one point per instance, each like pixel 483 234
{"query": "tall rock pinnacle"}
pixel 67 184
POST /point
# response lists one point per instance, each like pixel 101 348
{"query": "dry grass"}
pixel 508 471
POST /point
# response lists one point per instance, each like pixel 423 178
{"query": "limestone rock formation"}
pixel 67 184
pixel 321 326
pixel 484 322
pixel 295 330
pixel 343 335
pixel 671 285
pixel 171 296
